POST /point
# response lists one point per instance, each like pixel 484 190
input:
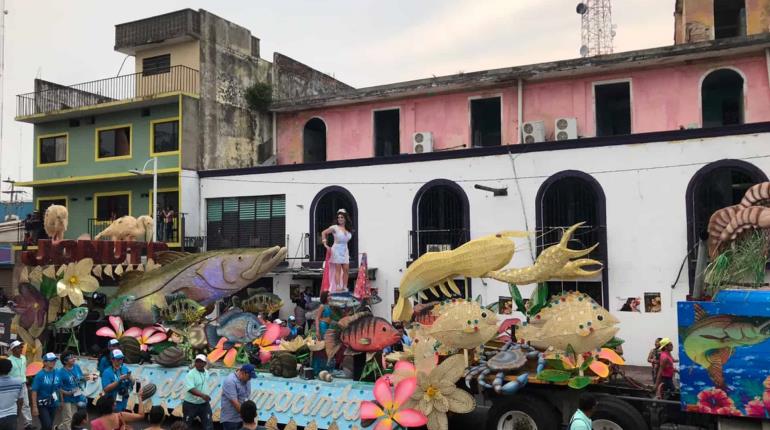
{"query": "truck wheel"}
pixel 521 413
pixel 614 414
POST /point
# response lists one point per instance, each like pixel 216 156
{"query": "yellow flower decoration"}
pixel 77 280
pixel 293 345
pixel 437 394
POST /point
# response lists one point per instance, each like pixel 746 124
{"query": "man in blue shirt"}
pixel 71 377
pixel 117 382
pixel 105 359
pixel 236 389
pixel 12 391
pixel 44 398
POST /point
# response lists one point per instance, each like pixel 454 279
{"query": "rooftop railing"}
pixel 51 97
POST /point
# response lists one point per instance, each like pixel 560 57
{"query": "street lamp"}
pixel 154 192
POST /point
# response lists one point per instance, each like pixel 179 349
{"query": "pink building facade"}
pixel 666 94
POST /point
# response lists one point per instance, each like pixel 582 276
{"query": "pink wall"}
pixel 661 99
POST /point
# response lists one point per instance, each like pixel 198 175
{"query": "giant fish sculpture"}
pixel 204 278
pixel 572 318
pixel 463 324
pixel 361 332
pixel 712 339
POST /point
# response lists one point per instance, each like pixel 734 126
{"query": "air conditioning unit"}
pixel 533 131
pixel 565 128
pixel 422 141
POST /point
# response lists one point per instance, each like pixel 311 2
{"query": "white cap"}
pixel 117 354
pixel 113 342
pixel 292 318
pixel 202 358
pixel 49 357
pixel 15 344
pixel 277 321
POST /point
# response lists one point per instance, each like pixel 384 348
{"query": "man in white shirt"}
pixel 19 371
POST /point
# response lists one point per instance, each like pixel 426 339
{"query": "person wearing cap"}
pixel 236 389
pixel 664 384
pixel 71 377
pixel 19 370
pixel 293 329
pixel 45 392
pixel 12 390
pixel 117 382
pixel 339 260
pixel 105 361
pixel 196 397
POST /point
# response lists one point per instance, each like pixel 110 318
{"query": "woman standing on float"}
pixel 340 256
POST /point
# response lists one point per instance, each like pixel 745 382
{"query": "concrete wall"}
pixel 81 156
pixel 665 98
pixel 292 80
pixel 694 19
pixel 192 144
pixel 644 185
pixel 231 133
pixel 190 200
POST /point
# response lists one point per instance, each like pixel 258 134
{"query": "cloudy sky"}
pixel 361 42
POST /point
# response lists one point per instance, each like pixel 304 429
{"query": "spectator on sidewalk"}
pixel 664 385
pixel 12 391
pixel 197 400
pixel 581 420
pixel 249 415
pixel 110 418
pixel 19 371
pixel 45 392
pixel 653 357
pixel 236 389
pixel 155 417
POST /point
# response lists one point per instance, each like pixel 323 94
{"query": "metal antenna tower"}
pixel 596 29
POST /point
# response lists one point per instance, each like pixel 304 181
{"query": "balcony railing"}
pixel 165 232
pixel 422 241
pixel 51 97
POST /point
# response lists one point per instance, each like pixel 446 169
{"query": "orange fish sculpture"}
pixel 361 332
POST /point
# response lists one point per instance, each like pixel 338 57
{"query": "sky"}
pixel 360 42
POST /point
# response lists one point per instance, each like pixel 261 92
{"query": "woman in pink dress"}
pixel 339 262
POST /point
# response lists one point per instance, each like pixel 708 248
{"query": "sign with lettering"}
pixel 101 251
pixel 285 398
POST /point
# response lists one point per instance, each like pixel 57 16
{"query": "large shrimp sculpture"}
pixel 484 258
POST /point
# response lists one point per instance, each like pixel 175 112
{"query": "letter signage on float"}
pixel 101 251
pixel 286 398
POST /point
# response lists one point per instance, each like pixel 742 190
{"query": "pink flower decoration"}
pixel 149 336
pixel 115 332
pixel 716 401
pixel 756 408
pixel 388 406
pixel 266 343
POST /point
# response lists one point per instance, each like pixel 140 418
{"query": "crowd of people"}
pixel 56 397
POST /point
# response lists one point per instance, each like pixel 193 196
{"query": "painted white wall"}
pixel 190 196
pixel 644 186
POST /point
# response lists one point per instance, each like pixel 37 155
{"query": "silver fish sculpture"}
pixel 119 305
pixel 73 318
pixel 179 310
pixel 260 302
pixel 205 277
pixel 344 301
pixel 236 326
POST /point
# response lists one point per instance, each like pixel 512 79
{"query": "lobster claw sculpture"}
pixel 484 257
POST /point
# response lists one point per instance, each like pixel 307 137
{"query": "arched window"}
pixel 565 199
pixel 440 217
pixel 440 222
pixel 716 185
pixel 722 98
pixel 323 212
pixel 314 141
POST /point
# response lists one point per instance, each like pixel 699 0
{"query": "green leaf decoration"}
pixel 553 375
pixel 570 352
pixel 555 363
pixel 586 363
pixel 516 295
pixel 613 343
pixel 494 307
pixel 48 287
pixel 579 382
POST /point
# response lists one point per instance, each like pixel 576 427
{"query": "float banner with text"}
pixel 286 398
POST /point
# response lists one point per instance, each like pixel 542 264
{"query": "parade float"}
pixel 454 352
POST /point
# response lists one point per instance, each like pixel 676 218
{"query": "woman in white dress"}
pixel 340 257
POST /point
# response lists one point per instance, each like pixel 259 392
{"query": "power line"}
pixel 513 178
